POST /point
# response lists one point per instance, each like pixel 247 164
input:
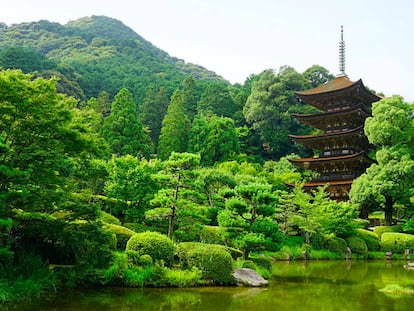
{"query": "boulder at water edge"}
pixel 248 277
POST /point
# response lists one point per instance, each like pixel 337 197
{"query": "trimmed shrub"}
pixel 357 245
pixel 109 219
pixel 370 238
pixel 123 234
pixel 379 230
pixel 316 240
pixel 213 235
pixel 155 244
pixel 214 262
pixel 336 245
pixel 397 242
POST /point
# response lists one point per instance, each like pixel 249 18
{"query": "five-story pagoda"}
pixel 342 144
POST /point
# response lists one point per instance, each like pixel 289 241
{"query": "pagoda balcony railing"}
pixel 339 176
pixel 335 152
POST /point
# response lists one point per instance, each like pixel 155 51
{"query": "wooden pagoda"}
pixel 344 105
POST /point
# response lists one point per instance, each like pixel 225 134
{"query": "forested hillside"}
pixel 123 166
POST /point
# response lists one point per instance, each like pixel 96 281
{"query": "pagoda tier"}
pixel 334 120
pixel 335 143
pixel 343 146
pixel 338 94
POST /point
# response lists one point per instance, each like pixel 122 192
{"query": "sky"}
pixel 237 38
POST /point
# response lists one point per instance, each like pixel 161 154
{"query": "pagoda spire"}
pixel 342 55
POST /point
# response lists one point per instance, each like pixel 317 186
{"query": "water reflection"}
pixel 324 285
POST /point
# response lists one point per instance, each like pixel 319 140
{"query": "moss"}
pixel 397 242
pixel 212 260
pixel 155 244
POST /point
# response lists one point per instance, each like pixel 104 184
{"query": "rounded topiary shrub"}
pixel 397 242
pixel 123 234
pixel 379 230
pixel 213 235
pixel 154 244
pixel 370 238
pixel 357 245
pixel 335 245
pixel 215 263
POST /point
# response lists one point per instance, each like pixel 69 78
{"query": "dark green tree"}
pixel 216 99
pixel 153 111
pixel 214 138
pixel 123 130
pixel 317 75
pixel 175 127
pixel 269 107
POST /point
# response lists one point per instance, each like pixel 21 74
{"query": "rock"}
pixel 409 266
pixel 248 277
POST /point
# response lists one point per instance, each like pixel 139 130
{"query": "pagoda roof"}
pixel 312 163
pixel 330 183
pixel 320 120
pixel 314 141
pixel 337 87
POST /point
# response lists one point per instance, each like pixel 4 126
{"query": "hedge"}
pixel 397 242
pixel 214 262
pixel 154 244
pixel 370 238
pixel 379 230
pixel 335 245
pixel 123 234
pixel 357 245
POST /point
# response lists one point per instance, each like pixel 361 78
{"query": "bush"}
pixel 357 245
pixel 123 234
pixel 379 230
pixel 155 244
pixel 336 245
pixel 370 238
pixel 212 260
pixel 213 235
pixel 397 242
pixel 109 219
pixel 134 258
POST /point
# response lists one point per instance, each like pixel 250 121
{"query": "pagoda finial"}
pixel 342 55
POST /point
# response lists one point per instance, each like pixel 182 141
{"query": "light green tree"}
pixel 389 180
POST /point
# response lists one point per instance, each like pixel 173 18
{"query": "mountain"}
pixel 94 54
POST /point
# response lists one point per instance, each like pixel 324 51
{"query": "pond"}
pixel 312 285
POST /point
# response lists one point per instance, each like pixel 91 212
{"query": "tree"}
pixel 317 75
pixel 123 130
pixel 176 201
pixel 249 217
pixel 175 127
pixel 214 138
pixel 389 180
pixel 130 183
pixel 269 107
pixel 216 99
pixel 153 111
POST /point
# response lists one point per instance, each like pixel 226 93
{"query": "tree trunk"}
pixel 173 208
pixel 388 210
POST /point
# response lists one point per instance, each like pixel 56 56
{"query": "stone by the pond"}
pixel 409 266
pixel 248 277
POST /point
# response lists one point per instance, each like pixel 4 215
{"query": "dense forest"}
pixel 122 165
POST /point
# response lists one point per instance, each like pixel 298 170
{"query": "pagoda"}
pixel 344 105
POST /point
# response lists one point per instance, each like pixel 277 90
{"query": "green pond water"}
pixel 314 285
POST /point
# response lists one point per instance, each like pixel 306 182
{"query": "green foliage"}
pixel 123 130
pixel 397 242
pixel 213 261
pixel 216 99
pixel 109 219
pixel 175 127
pixel 155 244
pixel 213 235
pixel 214 138
pixel 123 234
pixel 379 230
pixel 183 278
pixel 336 245
pixel 370 238
pixel 357 245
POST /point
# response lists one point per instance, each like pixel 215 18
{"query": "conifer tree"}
pixel 123 130
pixel 175 127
